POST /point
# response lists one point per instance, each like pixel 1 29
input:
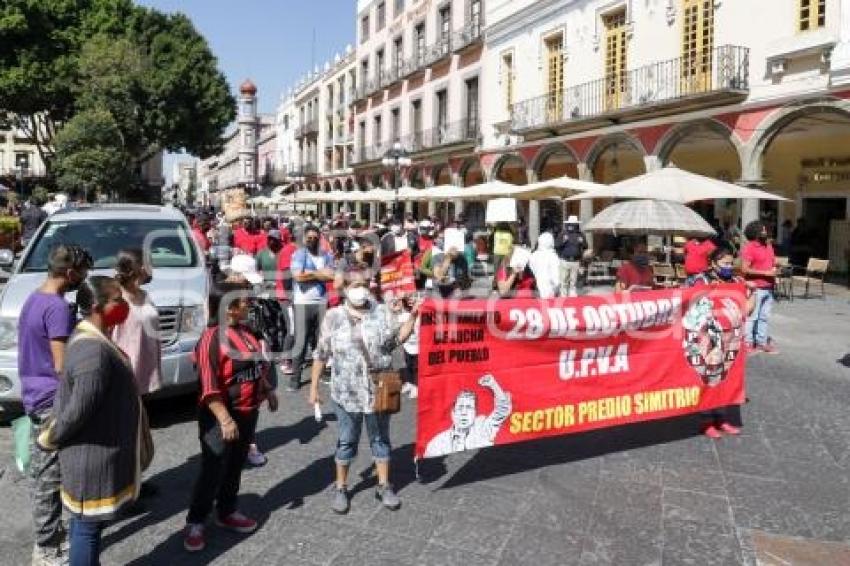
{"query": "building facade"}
pixel 754 92
pixel 420 70
pixel 20 160
pixel 240 164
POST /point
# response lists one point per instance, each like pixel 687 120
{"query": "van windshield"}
pixel 166 242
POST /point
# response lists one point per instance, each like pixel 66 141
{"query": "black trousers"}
pixel 221 465
pixel 410 372
pixel 308 323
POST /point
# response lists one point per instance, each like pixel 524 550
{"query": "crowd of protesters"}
pixel 287 293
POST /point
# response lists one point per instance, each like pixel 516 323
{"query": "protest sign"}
pixel 397 275
pixel 504 371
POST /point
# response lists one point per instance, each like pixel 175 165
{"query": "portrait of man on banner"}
pixel 470 430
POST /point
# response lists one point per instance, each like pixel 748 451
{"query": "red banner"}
pixel 502 371
pixel 397 275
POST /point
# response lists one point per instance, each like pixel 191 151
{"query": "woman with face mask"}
pixel 360 335
pixel 138 336
pixel 721 270
pixel 635 274
pixel 97 419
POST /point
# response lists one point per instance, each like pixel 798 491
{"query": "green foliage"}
pixel 40 195
pixel 90 155
pixel 152 71
pixel 9 225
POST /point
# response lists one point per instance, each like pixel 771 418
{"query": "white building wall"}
pixel 767 27
pixel 424 88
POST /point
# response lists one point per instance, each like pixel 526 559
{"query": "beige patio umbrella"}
pixel 372 195
pixel 678 185
pixel 648 216
pixel 559 187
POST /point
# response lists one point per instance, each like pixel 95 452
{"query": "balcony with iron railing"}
pixel 445 46
pixel 713 78
pixel 465 131
pixel 467 36
pixel 310 128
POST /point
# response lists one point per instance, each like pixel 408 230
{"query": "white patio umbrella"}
pixel 441 193
pixel 640 217
pixel 372 195
pixel 308 196
pixel 559 187
pixel 678 185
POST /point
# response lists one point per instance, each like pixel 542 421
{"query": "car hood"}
pixel 169 287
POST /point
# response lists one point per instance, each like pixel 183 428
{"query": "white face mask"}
pixel 357 296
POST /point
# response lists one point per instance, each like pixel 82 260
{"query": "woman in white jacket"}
pixel 546 265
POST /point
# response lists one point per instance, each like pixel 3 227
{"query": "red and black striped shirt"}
pixel 229 366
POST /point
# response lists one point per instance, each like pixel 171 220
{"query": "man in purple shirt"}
pixel 44 325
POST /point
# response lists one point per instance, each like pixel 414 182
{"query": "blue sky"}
pixel 270 41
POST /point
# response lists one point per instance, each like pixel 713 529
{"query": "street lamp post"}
pixel 20 177
pixel 395 159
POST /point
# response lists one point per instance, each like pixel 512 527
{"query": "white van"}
pixel 179 288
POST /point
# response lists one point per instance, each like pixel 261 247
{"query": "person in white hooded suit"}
pixel 546 266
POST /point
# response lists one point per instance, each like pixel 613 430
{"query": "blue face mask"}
pixel 726 273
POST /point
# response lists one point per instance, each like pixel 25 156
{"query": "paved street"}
pixel 651 494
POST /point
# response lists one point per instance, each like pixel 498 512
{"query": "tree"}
pixel 153 71
pixel 90 156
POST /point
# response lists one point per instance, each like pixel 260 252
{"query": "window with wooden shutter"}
pixel 615 59
pixel 555 78
pixel 812 14
pixel 508 79
pixel 697 46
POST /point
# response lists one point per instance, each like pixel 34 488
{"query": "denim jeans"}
pixel 756 329
pixel 351 424
pixel 85 542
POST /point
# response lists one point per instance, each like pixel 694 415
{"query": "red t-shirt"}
pixel 224 367
pixel 761 258
pixel 201 239
pixel 283 283
pixel 524 284
pixel 630 275
pixel 697 256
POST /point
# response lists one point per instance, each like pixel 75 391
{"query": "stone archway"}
pixel 441 174
pixel 708 148
pixel 511 168
pixel 801 154
pixel 555 161
pixel 616 157
pixel 471 173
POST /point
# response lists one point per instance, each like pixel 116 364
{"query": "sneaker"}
pixel 236 522
pixel 255 457
pixel 729 429
pixel 712 432
pixel 339 501
pixel 405 388
pixel 768 349
pixel 413 392
pixel 387 497
pixel 194 539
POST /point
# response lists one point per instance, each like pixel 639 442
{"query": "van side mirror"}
pixel 7 258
